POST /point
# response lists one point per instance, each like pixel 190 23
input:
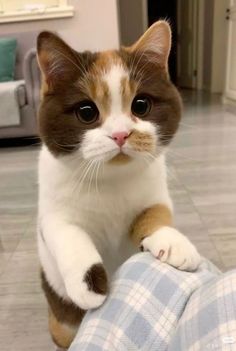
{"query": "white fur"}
pixel 172 247
pixel 86 205
pixel 113 79
pixel 97 143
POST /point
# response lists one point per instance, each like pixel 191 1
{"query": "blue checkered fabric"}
pixel 154 307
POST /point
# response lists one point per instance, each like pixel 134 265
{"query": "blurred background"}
pixel 201 160
pixel 198 57
pixel 202 52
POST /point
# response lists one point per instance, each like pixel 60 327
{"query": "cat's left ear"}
pixel 155 42
pixel 56 59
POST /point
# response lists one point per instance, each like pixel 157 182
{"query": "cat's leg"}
pixel 62 334
pixel 152 230
pixel 64 317
pixel 77 260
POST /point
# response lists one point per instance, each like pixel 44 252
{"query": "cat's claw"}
pixel 169 245
pixel 90 290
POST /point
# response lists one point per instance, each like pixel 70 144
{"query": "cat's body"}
pixel 104 208
pixel 105 121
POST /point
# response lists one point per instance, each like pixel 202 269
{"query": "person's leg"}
pixel 146 300
pixel 209 319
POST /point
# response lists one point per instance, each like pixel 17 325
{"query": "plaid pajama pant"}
pixel 154 307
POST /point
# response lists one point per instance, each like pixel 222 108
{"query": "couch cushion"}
pixel 25 42
pixel 7 59
pixel 9 102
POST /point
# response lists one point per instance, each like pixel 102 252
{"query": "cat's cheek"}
pixel 88 291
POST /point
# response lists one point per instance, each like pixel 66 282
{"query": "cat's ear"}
pixel 56 59
pixel 155 42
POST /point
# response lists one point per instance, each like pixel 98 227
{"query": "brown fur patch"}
pixel 149 221
pixel 96 279
pixel 96 86
pixel 61 334
pixel 64 311
pixel 141 141
pixel 120 159
pixel 105 60
pixel 62 67
pixel 97 89
pixel 128 89
pixel 44 88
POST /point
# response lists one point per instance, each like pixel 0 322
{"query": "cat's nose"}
pixel 120 138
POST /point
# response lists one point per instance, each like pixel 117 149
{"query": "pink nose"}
pixel 120 138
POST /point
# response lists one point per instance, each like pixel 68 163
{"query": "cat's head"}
pixel 112 106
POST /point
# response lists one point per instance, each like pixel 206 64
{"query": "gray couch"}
pixel 28 95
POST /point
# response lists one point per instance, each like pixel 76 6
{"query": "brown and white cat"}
pixel 105 121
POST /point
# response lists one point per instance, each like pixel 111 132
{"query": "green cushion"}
pixel 7 59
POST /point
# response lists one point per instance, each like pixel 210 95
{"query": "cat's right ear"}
pixel 56 59
pixel 155 43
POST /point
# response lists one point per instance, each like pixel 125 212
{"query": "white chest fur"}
pixel 106 207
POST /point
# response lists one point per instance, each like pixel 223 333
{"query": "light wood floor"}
pixel 202 172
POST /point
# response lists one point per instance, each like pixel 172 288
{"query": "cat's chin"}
pixel 120 159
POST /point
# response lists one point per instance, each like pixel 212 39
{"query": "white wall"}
pixel 93 27
pixel 219 46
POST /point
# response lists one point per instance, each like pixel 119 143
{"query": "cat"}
pixel 105 121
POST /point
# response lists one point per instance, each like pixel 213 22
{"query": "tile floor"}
pixel 202 172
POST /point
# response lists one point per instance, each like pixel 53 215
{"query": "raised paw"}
pixel 170 246
pixel 88 290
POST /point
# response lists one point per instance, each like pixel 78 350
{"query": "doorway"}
pixel 135 16
pixel 166 9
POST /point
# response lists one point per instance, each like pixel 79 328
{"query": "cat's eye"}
pixel 87 112
pixel 141 106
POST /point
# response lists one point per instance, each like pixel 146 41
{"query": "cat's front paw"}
pixel 90 289
pixel 170 246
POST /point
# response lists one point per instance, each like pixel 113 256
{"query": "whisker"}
pixel 77 170
pixel 175 153
pixel 79 184
pixel 90 176
pixel 189 126
pixel 171 175
pixel 92 173
pixel 97 172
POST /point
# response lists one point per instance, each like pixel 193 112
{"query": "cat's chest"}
pixel 106 210
pixel 109 214
pixel 107 219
